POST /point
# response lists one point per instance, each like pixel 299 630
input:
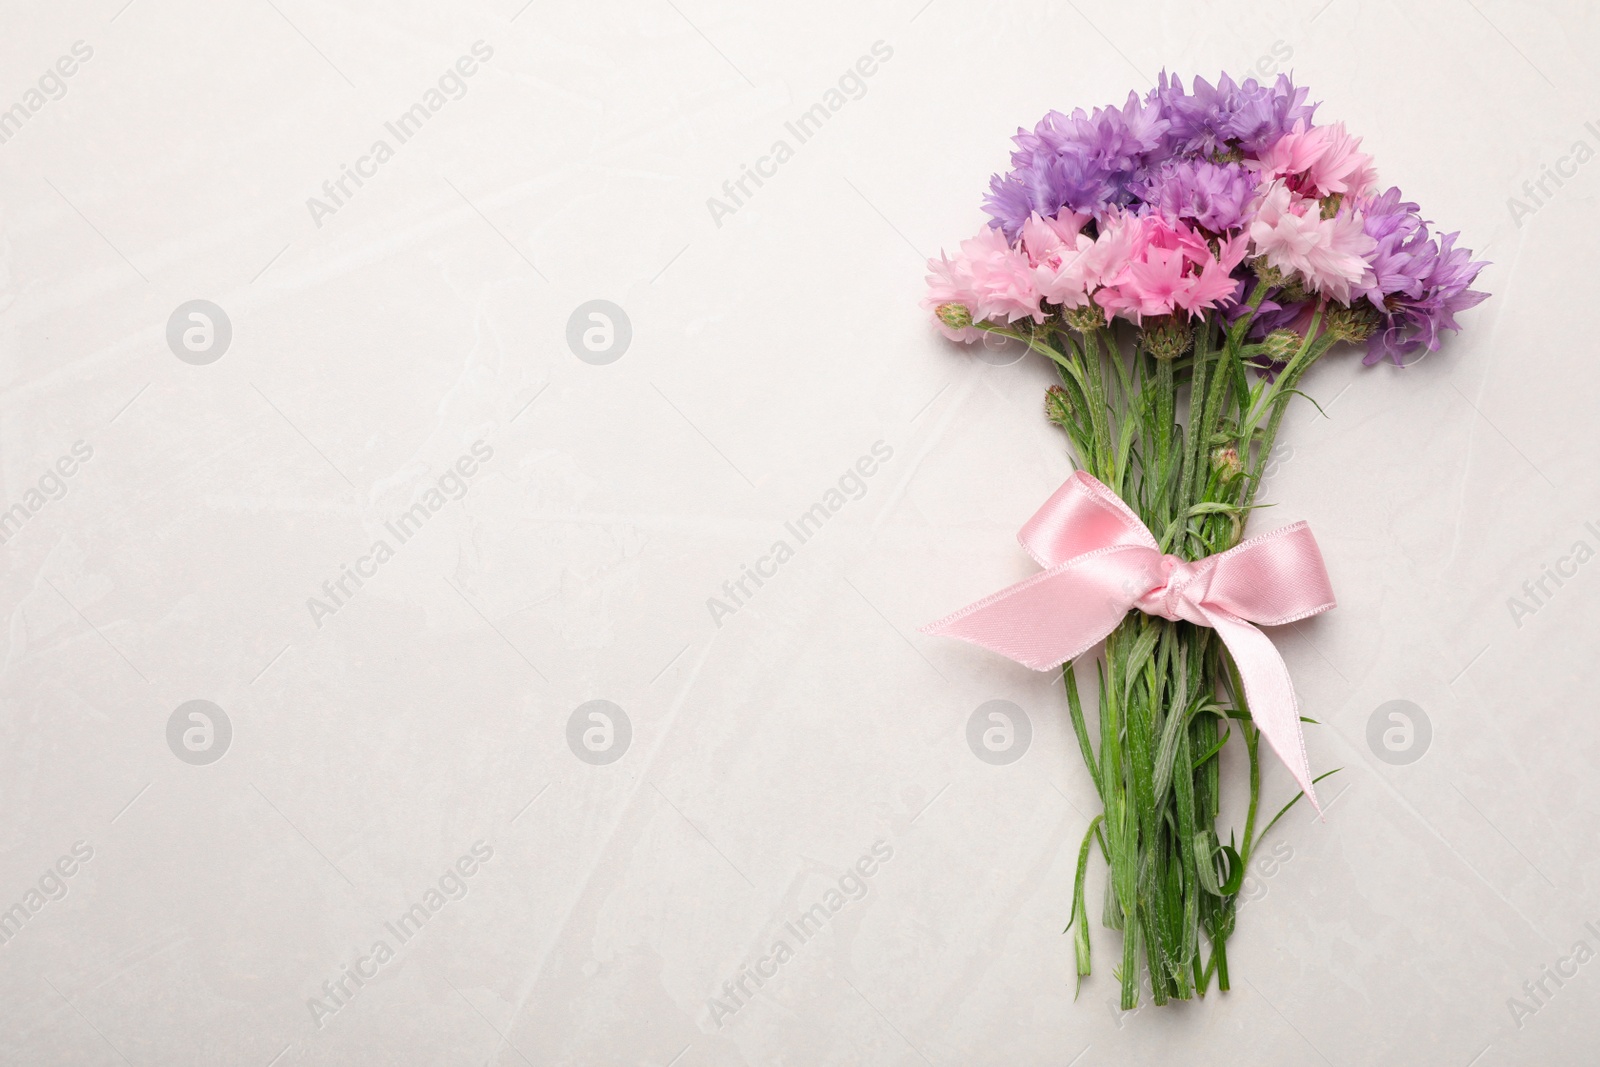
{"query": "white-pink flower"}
pixel 1041 236
pixel 989 278
pixel 1332 255
pixel 1060 254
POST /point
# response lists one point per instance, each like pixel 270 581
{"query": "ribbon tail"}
pixel 1269 693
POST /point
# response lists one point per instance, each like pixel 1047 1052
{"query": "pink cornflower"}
pixel 1043 236
pixel 1060 254
pixel 1214 284
pixel 1318 162
pixel 987 277
pixel 1170 267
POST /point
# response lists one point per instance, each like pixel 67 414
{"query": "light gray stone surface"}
pixel 439 711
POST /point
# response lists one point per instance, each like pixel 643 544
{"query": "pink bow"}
pixel 1100 561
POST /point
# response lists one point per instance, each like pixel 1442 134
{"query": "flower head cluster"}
pixel 1187 201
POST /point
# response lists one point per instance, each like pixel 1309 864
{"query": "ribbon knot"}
pixel 1168 599
pixel 1101 562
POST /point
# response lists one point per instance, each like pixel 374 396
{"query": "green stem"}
pixel 1027 339
pixel 1160 690
pixel 1102 462
pixel 1276 400
pixel 1194 453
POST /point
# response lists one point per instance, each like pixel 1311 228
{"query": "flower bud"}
pixel 1294 289
pixel 1225 461
pixel 1281 345
pixel 1058 406
pixel 955 316
pixel 1354 322
pixel 1168 337
pixel 1084 319
pixel 1267 272
pixel 1330 205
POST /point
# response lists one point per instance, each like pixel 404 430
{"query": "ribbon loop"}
pixel 1101 562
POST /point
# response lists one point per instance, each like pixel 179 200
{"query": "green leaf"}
pixel 1143 645
pixel 1308 396
pixel 1285 809
pixel 1206 852
pixel 1080 910
pixel 1215 507
pixel 1080 727
pixel 1166 753
pixel 1235 871
pixel 1206 865
pixel 1213 750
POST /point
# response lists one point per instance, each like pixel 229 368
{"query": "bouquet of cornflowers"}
pixel 1182 260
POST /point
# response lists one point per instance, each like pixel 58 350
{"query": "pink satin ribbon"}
pixel 1100 561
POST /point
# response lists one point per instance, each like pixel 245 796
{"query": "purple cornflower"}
pixel 1400 261
pixel 1115 140
pixel 1216 196
pixel 1272 315
pixel 1086 162
pixel 1411 322
pixel 1213 121
pixel 1419 281
pixel 1045 183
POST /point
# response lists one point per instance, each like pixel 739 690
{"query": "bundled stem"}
pixel 1169 694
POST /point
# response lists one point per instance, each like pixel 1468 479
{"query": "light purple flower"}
pixel 1419 281
pixel 1043 183
pixel 1248 115
pixel 1117 141
pixel 1415 322
pixel 1217 196
pixel 1089 163
pixel 1400 261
